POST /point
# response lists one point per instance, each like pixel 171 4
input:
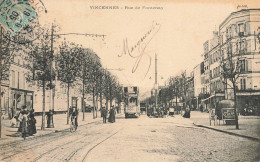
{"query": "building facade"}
pixel 239 31
pixel 237 36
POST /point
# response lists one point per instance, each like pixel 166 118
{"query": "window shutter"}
pixel 245 28
pixel 246 65
pixel 246 82
pixel 248 46
pixel 241 84
pixel 249 65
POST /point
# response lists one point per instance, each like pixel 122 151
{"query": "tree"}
pixel 41 56
pixel 11 44
pixel 68 66
pixel 93 74
pixel 164 95
pixel 111 87
pixel 230 70
pixel 89 75
pixel 7 49
pixel 175 89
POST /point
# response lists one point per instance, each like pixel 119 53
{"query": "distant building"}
pixel 197 70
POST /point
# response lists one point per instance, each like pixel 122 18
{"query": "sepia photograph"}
pixel 129 80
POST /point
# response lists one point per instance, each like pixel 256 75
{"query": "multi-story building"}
pixel 198 70
pixel 16 91
pixel 216 84
pixel 238 35
pixel 209 47
pixel 190 100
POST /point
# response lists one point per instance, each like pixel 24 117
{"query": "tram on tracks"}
pixel 131 100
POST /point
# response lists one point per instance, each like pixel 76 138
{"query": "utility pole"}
pixel 156 85
pixel 0 81
pixel 50 123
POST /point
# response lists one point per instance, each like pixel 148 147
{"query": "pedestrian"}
pixel 201 108
pixel 32 123
pixel 14 121
pixel 74 114
pixel 104 114
pixel 187 112
pixel 24 122
pixel 111 117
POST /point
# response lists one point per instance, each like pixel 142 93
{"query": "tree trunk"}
pixel 93 102
pixel 43 105
pixel 177 110
pixel 83 101
pixel 100 101
pixel 235 100
pixel 106 104
pixel 68 103
pixel 96 105
pixel 111 103
pixel 110 96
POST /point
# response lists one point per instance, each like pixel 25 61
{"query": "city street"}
pixel 62 60
pixel 134 139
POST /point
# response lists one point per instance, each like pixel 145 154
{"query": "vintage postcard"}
pixel 137 81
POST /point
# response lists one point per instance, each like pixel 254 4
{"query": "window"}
pixel 18 77
pixel 237 47
pixel 24 80
pixel 13 79
pixel 243 84
pixel 240 28
pixel 242 66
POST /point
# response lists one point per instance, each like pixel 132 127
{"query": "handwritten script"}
pixel 138 50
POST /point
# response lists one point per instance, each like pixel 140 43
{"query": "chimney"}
pixel 215 34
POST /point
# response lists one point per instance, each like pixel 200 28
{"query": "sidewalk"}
pixel 249 126
pixel 60 123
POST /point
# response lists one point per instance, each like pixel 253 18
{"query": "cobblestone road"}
pixel 142 139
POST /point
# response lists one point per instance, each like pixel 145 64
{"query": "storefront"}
pixel 249 100
pixel 20 98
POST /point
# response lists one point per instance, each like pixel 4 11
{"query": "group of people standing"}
pixel 27 122
pixel 112 115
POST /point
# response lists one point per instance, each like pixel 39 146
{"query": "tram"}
pixel 131 100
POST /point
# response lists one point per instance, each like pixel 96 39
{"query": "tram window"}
pixel 135 89
pixel 133 101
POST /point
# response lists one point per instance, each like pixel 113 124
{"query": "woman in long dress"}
pixel 24 123
pixel 111 118
pixel 32 123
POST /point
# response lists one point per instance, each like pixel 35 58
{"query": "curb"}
pixel 230 133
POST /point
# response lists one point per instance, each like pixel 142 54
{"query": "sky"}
pixel 176 33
